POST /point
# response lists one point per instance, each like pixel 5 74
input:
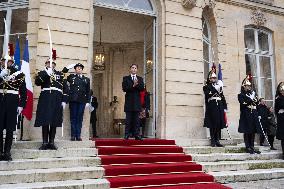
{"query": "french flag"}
pixel 25 68
pixel 220 78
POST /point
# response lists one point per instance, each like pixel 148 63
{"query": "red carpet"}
pixel 151 164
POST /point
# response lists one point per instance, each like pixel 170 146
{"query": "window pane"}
pixel 2 29
pixel 206 69
pixel 251 64
pixel 134 4
pixel 249 39
pixel 264 65
pixel 205 28
pixel 205 51
pixel 19 21
pixel 263 41
pixel 266 89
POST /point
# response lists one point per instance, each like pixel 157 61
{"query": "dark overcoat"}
pixel 214 109
pixel 248 122
pixel 9 103
pixel 279 104
pixel 132 94
pixel 49 108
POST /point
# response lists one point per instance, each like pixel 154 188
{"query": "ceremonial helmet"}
pixel 281 87
pixel 212 73
pixel 247 81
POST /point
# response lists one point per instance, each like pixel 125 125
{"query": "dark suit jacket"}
pixel 132 94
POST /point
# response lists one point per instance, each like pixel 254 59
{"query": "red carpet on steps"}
pixel 151 164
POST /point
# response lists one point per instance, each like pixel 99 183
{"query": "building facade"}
pixel 174 42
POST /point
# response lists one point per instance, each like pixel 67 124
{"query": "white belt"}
pixel 281 111
pixel 51 89
pixel 4 91
pixel 252 107
pixel 214 98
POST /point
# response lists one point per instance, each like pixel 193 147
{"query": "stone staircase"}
pixel 232 165
pixel 74 165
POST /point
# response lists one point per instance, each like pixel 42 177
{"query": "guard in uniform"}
pixel 51 103
pixel 279 111
pixel 215 104
pixel 79 98
pixel 249 123
pixel 13 96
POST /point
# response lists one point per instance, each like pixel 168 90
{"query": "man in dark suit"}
pixel 132 85
pixel 79 98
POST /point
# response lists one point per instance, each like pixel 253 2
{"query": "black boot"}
pixel 282 145
pixel 217 136
pixel 1 146
pixel 271 141
pixel 52 133
pixel 252 136
pixel 45 130
pixel 8 144
pixel 212 136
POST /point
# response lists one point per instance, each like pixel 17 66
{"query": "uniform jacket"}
pixel 214 113
pixel 279 105
pixel 9 103
pixel 79 88
pixel 54 92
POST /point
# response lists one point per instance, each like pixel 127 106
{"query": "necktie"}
pixel 133 78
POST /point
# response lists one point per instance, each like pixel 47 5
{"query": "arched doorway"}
pixel 125 31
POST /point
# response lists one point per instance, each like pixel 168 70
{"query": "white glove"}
pixel 87 105
pixel 91 108
pixel 49 71
pixel 70 66
pixel 63 104
pixel 20 109
pixel 252 95
pixel 217 87
pixel 259 117
pixel 225 110
pixel 4 73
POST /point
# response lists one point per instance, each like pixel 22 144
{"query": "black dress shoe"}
pixel 72 138
pixel 43 147
pixel 126 137
pixel 7 157
pixel 249 150
pixel 256 151
pixel 51 146
pixel 79 139
pixel 218 144
pixel 138 138
pixel 1 157
pixel 272 148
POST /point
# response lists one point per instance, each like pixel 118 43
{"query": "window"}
pixel 207 52
pixel 18 27
pixel 139 6
pixel 260 62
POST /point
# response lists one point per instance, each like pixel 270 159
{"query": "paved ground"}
pixel 262 184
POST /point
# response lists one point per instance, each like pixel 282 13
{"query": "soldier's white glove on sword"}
pixel 49 71
pixel 70 66
pixel 63 105
pixel 20 109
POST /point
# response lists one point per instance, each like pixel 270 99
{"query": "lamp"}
pixel 100 52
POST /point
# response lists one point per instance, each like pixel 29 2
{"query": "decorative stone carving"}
pixel 188 4
pixel 258 17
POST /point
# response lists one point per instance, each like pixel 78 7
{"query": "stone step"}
pixel 46 163
pixel 68 152
pixel 242 165
pixel 54 174
pixel 206 142
pixel 225 149
pixel 260 184
pixel 71 184
pixel 59 143
pixel 213 157
pixel 248 175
